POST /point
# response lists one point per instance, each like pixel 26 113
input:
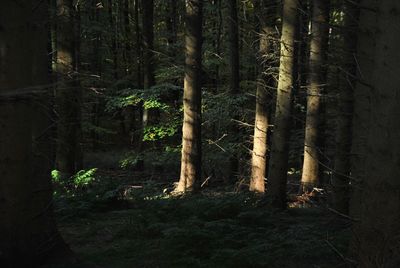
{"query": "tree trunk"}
pixel 171 25
pixel 128 37
pixel 148 43
pixel 114 34
pixel 317 80
pixel 343 141
pixel 148 48
pixel 233 34
pixel 68 93
pixel 277 177
pixel 376 234
pixel 265 82
pixel 191 131
pixel 234 80
pixel 138 37
pixel 27 228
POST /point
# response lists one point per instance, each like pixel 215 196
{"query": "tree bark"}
pixel 27 229
pixel 265 81
pixel 114 34
pixel 191 131
pixel 317 80
pixel 277 177
pixel 233 34
pixel 68 92
pixel 148 43
pixel 234 80
pixel 376 234
pixel 343 140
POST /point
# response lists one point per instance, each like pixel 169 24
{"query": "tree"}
pixel 317 80
pixel 233 33
pixel 114 35
pixel 277 177
pixel 191 131
pixel 376 233
pixel 265 81
pixel 27 229
pixel 234 78
pixel 343 140
pixel 68 92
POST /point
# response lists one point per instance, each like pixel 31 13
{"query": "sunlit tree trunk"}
pixel 266 15
pixel 191 131
pixel 343 140
pixel 317 80
pixel 376 233
pixel 277 177
pixel 68 93
pixel 28 235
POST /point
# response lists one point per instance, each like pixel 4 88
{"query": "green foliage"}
pixel 76 183
pixel 158 132
pixel 84 177
pixel 131 159
pixel 56 176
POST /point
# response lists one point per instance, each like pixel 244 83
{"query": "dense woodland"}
pixel 191 133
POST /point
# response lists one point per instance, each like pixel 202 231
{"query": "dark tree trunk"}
pixel 234 79
pixel 27 229
pixel 343 140
pixel 68 92
pixel 114 34
pixel 377 112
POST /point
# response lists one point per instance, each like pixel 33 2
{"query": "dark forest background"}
pixel 215 133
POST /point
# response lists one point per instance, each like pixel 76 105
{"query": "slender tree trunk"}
pixel 343 141
pixel 376 233
pixel 96 68
pixel 128 37
pixel 68 92
pixel 138 37
pixel 233 34
pixel 114 34
pixel 265 82
pixel 148 66
pixel 234 79
pixel 317 79
pixel 171 25
pixel 28 233
pixel 148 43
pixel 148 46
pixel 191 132
pixel 277 177
pixel 219 25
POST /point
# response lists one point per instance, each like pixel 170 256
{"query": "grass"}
pixel 152 229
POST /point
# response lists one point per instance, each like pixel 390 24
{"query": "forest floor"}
pixel 128 223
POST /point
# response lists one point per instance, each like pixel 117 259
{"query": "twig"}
pixel 336 251
pixel 343 215
pixel 205 181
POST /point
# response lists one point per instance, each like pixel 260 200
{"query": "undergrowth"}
pixel 152 229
